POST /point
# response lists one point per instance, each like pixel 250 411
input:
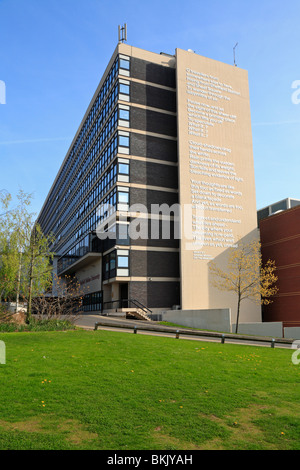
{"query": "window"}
pixel 112 261
pixel 124 89
pixel 123 141
pixel 110 265
pixel 124 114
pixel 123 197
pixel 124 64
pixel 92 302
pixel 123 169
pixel 123 262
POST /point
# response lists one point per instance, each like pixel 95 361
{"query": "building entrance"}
pixel 124 295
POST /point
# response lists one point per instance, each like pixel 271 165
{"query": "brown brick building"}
pixel 280 238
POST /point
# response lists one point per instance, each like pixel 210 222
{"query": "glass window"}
pixel 123 168
pixel 123 197
pixel 123 141
pixel 282 205
pixel 107 265
pixel 125 89
pixel 122 261
pixel 124 114
pixel 112 261
pixel 124 64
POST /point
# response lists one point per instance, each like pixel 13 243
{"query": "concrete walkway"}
pixel 88 321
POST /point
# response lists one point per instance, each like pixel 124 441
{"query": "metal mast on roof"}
pixel 234 53
pixel 123 33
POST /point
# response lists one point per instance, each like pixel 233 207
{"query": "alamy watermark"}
pixel 296 354
pixel 296 93
pixel 2 353
pixel 163 222
pixel 2 92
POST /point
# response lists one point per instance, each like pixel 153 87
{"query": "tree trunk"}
pixel 238 315
pixel 28 315
pixel 19 283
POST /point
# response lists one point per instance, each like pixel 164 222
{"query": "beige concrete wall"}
pixel 216 170
pixel 215 319
pixel 89 277
pixel 272 329
pixel 292 332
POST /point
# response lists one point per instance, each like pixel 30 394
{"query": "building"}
pixel 160 129
pixel 280 239
pixel 279 206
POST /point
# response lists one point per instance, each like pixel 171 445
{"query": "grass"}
pixel 109 390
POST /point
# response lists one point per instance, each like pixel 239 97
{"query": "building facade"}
pixel 277 207
pixel 160 129
pixel 280 239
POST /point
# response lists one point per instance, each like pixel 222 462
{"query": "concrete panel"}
pixel 216 172
pixel 273 329
pixel 292 332
pixel 211 319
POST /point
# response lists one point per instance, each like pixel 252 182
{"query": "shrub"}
pixel 37 325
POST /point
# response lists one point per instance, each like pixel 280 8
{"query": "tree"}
pixel 247 276
pixel 39 266
pixel 67 303
pixel 25 256
pixel 7 257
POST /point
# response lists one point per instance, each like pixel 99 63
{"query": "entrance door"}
pixel 124 294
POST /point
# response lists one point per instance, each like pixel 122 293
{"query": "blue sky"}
pixel 53 54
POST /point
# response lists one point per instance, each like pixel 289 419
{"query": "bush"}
pixel 10 327
pixel 37 325
pixel 49 325
pixel 5 315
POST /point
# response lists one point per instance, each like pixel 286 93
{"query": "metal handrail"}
pixel 135 302
pixel 191 332
pixel 139 304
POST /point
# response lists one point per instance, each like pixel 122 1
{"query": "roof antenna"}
pixel 123 33
pixel 234 53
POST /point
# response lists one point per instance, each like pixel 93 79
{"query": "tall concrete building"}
pixel 160 129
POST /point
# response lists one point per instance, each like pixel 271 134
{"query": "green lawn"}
pixel 107 390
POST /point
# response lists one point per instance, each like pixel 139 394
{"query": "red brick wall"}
pixel 280 238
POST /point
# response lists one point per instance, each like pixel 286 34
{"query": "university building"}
pixel 160 129
pixel 280 240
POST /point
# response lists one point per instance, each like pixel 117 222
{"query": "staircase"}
pixel 137 313
pixel 132 309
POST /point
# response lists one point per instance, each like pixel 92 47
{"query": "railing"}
pixel 229 337
pixel 125 303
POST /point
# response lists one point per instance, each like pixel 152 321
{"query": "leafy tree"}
pixel 38 266
pixel 25 257
pixel 7 264
pixel 247 276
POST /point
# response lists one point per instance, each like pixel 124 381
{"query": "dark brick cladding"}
pixel 153 121
pixel 148 197
pixel 153 147
pixel 170 242
pixel 156 294
pixel 154 263
pixel 154 174
pixel 153 96
pixel 154 73
pixel 150 263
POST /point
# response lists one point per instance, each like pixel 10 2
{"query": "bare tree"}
pixel 67 304
pixel 246 276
